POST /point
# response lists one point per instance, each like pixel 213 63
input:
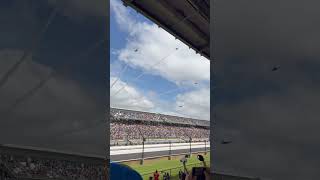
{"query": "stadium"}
pixel 159 133
pixel 30 163
pixel 151 138
pixel 143 140
pixel 151 141
pixel 133 133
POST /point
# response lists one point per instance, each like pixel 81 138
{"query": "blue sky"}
pixel 173 79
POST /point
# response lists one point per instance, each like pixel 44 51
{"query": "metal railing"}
pixel 173 172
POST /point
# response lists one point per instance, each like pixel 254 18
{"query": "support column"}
pixel 212 71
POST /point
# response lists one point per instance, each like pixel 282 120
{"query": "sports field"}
pixel 164 165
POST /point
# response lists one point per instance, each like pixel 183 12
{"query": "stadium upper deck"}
pixel 124 114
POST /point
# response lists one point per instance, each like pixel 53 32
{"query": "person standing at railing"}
pixel 202 176
pixel 156 175
pixel 166 176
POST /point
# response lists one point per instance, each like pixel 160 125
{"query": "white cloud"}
pixel 194 103
pixel 154 44
pixel 122 15
pixel 129 97
pixel 183 67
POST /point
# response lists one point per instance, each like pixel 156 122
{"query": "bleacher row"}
pixel 123 114
pixel 130 127
pixel 134 130
pixel 32 164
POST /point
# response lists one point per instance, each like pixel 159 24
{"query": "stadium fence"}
pixel 173 172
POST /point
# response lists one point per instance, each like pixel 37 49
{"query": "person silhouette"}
pixel 156 175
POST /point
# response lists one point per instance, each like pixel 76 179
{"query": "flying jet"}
pixel 226 142
pixel 275 68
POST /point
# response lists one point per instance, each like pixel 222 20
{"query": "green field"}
pixel 164 165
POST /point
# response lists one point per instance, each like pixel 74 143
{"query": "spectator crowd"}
pixel 133 125
pixel 128 124
pixel 125 130
pixel 117 114
pixel 27 167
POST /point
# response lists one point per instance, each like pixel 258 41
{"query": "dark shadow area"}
pixel 267 90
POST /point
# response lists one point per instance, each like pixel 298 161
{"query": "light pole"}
pixel 127 137
pixel 143 140
pixel 142 154
pixel 169 158
pixel 205 147
pixel 190 140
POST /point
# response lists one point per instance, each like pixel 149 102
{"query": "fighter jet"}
pixel 226 142
pixel 136 50
pixel 275 68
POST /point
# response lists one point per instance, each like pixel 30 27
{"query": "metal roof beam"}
pixel 181 16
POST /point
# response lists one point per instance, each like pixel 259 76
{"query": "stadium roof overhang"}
pixel 187 20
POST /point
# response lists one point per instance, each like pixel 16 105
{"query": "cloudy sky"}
pixel 152 71
pixel 55 98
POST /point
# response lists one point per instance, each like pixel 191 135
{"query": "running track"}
pixel 124 153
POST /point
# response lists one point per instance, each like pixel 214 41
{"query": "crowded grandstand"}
pixel 128 126
pixel 31 163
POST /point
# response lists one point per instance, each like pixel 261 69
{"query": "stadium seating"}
pixel 131 126
pixel 19 163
